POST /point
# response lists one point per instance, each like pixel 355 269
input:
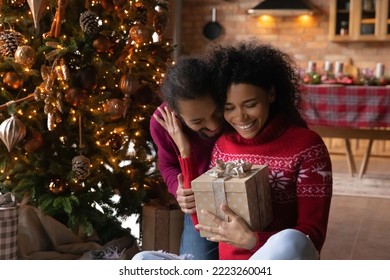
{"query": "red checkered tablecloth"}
pixel 347 106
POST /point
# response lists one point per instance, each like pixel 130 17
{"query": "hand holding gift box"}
pixel 243 187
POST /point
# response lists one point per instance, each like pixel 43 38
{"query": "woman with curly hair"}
pixel 261 93
pixel 263 106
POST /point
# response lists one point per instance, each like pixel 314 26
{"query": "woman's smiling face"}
pixel 247 108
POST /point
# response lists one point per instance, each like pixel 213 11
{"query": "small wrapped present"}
pixel 8 227
pixel 161 228
pixel 243 187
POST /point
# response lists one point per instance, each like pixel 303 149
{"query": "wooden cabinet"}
pixel 359 20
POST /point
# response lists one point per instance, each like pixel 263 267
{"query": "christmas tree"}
pixel 79 81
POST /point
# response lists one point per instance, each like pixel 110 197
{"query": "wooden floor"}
pixel 359 227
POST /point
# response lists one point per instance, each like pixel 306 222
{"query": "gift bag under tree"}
pixel 8 227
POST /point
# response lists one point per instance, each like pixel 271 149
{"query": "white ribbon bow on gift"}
pixel 7 200
pixel 236 169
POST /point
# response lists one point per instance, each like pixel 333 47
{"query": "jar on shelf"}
pixel 344 28
pixel 368 5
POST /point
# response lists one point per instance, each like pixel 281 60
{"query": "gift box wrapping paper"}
pixel 249 197
pixel 8 233
pixel 161 228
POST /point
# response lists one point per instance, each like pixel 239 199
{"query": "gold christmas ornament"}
pixel 12 81
pixel 129 83
pixel 58 186
pixel 114 108
pixel 12 131
pixel 25 55
pixel 38 8
pixel 80 167
pixel 140 33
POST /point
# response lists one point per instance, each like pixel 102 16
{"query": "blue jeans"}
pixel 288 244
pixel 192 243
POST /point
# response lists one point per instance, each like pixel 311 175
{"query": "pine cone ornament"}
pixel 89 23
pixel 12 131
pixel 10 41
pixel 80 167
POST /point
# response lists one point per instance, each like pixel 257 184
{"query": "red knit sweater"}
pixel 300 176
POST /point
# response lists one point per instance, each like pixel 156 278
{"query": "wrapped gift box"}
pixel 248 196
pixel 161 228
pixel 9 233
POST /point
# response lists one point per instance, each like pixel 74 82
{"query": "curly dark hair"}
pixel 262 65
pixel 190 78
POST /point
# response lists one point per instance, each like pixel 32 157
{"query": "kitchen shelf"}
pixel 359 20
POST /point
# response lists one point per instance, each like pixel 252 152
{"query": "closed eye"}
pixel 196 122
pixel 251 104
pixel 228 108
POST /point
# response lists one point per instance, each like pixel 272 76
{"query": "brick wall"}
pixel 304 40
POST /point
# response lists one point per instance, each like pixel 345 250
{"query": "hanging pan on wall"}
pixel 212 29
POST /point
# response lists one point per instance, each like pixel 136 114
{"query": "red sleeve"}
pixel 189 172
pixel 314 207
